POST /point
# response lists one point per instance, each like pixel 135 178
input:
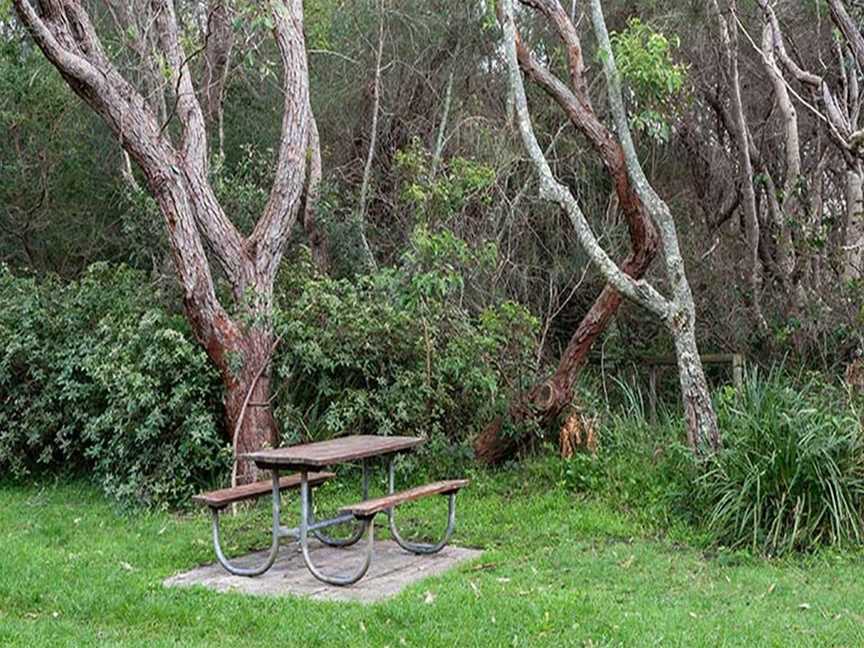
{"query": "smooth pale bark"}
pixel 373 141
pixel 442 126
pixel 728 36
pixel 702 427
pixel 853 230
pixel 850 30
pixel 316 235
pixel 176 175
pixel 837 121
pixel 792 154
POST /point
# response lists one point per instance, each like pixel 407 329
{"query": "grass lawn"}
pixel 558 570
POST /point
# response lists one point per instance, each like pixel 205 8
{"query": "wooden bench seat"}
pixel 219 499
pixel 370 508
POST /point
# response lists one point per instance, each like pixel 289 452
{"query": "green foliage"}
pixel 644 59
pixel 639 467
pixel 446 192
pixel 791 474
pixel 399 351
pixel 56 168
pixel 95 375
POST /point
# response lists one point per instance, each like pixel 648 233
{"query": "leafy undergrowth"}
pixel 559 568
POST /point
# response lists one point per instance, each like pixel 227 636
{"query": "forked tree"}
pixel 172 154
pixel 548 399
pixel 677 311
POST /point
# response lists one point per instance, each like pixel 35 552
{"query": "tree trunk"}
pixel 174 162
pixel 547 400
pixel 853 234
pixel 728 35
pixel 701 421
pixel 248 411
pixel 316 234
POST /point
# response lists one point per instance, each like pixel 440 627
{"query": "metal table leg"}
pixel 358 531
pixel 274 547
pixel 417 547
pixel 366 525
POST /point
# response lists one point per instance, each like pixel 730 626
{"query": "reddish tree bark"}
pixel 176 175
pixel 545 402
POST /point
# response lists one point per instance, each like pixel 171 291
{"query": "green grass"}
pixel 557 570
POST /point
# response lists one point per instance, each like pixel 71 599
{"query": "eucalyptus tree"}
pixel 549 398
pixel 173 155
pixel 793 112
pixel 677 312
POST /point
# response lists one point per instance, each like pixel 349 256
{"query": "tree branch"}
pixel 550 189
pixel 270 235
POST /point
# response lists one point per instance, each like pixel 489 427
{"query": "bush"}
pixel 405 350
pixel 96 375
pixel 791 473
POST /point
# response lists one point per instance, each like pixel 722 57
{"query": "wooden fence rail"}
pixel 654 363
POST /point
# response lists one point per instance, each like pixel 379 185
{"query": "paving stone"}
pixel 391 571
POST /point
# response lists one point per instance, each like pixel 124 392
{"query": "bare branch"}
pixel 850 31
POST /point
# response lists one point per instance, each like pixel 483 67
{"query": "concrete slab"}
pixel 392 570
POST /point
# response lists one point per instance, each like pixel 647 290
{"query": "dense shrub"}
pixel 405 350
pixel 791 473
pixel 96 375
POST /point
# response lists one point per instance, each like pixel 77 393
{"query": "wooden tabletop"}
pixel 334 451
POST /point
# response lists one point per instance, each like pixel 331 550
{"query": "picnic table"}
pixel 310 460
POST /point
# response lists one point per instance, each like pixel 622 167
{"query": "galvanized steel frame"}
pixel 308 525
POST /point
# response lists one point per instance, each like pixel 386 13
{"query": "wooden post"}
pixel 738 372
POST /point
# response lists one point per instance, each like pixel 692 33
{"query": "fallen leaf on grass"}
pixel 484 566
pixel 625 564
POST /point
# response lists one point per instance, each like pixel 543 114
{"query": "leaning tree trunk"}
pixel 546 401
pixel 677 311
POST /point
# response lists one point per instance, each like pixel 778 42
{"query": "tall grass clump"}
pixel 791 473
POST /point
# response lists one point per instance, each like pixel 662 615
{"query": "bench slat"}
pixel 373 506
pixel 224 497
